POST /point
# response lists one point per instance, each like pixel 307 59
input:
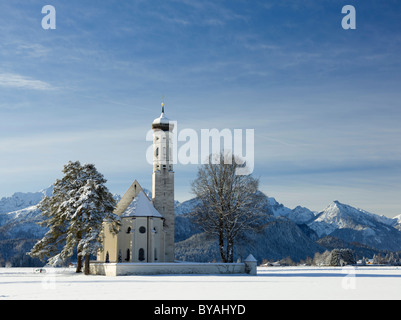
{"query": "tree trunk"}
pixel 86 267
pixel 230 250
pixel 79 256
pixel 79 263
pixel 221 241
pixel 221 247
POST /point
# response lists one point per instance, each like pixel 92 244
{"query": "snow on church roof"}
pixel 141 206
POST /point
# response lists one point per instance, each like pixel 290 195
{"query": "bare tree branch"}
pixel 229 203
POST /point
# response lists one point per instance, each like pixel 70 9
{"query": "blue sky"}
pixel 325 103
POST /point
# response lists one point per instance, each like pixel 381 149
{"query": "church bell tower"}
pixel 163 178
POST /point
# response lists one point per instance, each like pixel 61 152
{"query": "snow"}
pixel 298 215
pixel 398 219
pixel 368 282
pixel 250 258
pixel 20 200
pixel 339 216
pixel 141 206
pixel 161 120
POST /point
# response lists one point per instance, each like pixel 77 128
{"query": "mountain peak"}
pixel 47 191
pixel 338 216
pixel 21 200
pixel 341 205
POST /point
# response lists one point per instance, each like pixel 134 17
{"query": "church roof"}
pixel 141 206
pixel 162 119
pixel 162 122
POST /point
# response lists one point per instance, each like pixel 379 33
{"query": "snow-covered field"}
pixel 270 283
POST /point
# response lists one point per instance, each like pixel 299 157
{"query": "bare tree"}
pixel 228 203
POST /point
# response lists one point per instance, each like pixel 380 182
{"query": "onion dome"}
pixel 162 122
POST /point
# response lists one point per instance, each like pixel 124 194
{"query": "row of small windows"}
pixel 142 229
pixel 164 167
pixel 141 255
pixel 157 138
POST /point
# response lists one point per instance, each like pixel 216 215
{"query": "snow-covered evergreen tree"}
pixel 335 257
pixel 348 256
pixel 74 215
pixel 342 257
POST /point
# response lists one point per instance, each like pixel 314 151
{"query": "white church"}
pixel 145 241
pixel 147 225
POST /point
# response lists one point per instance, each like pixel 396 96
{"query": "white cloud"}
pixel 12 80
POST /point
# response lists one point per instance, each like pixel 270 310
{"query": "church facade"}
pixel 145 241
pixel 147 225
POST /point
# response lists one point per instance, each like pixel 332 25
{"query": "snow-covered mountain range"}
pixel 357 225
pixel 289 232
pixel 20 200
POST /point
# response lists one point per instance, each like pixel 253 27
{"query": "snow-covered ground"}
pixel 270 283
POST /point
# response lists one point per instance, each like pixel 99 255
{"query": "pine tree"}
pixel 335 257
pixel 341 257
pixel 95 205
pixel 348 256
pixel 74 215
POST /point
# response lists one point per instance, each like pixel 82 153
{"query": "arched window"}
pixel 141 254
pixel 107 257
pixel 128 255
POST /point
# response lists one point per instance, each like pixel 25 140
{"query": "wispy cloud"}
pixel 203 13
pixel 12 80
pixel 34 50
